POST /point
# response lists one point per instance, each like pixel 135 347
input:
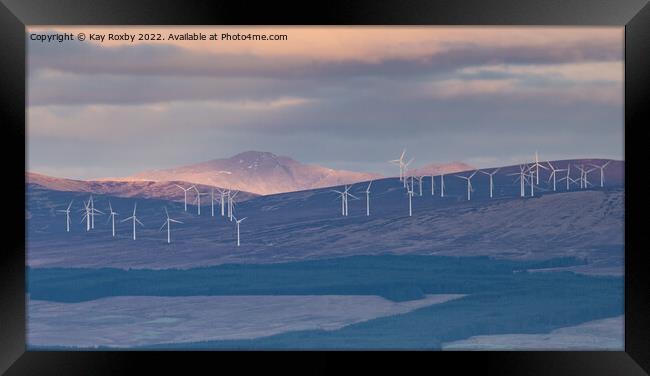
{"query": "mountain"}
pixel 166 190
pixel 441 168
pixel 257 172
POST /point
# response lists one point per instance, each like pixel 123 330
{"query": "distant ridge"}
pixel 165 190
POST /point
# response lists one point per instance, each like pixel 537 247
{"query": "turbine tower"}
pixel 198 199
pixel 442 185
pixel 86 216
pixel 400 162
pixel 433 186
pixel 231 204
pixel 405 169
pixel 167 223
pixel 184 194
pixel 92 211
pixel 536 166
pixel 67 216
pixel 568 178
pixel 554 171
pixel 348 194
pixel 368 199
pixel 111 217
pixel 342 194
pixel 134 218
pixel 344 198
pixel 469 183
pixel 602 172
pixel 491 175
pixel 237 222
pixel 522 179
pixel 212 203
pixel 409 190
pixel 420 182
pixel 584 181
pixel 223 192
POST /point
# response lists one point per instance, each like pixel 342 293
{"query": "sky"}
pixel 342 97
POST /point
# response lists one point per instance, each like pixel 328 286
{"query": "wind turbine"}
pixel 222 192
pixel 344 198
pixel 92 211
pixel 400 162
pixel 420 182
pixel 134 218
pixel 568 178
pixel 491 175
pixel 212 203
pixel 348 194
pixel 584 181
pixel 111 217
pixel 405 169
pixel 536 166
pixel 342 194
pixel 231 204
pixel 409 190
pixel 198 199
pixel 521 177
pixel 469 183
pixel 602 172
pixel 67 216
pixel 368 199
pixel 237 222
pixel 184 194
pixel 553 173
pixel 167 223
pixel 86 216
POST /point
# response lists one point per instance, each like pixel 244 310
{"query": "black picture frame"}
pixel 16 14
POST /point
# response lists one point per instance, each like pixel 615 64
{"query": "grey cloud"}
pixel 170 60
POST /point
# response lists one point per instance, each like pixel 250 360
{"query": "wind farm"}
pixel 495 186
pixel 332 223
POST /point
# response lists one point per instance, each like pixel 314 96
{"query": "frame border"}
pixel 633 14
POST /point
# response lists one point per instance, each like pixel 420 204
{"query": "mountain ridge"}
pixel 266 173
pixel 166 190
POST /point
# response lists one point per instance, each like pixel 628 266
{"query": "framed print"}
pixel 204 185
